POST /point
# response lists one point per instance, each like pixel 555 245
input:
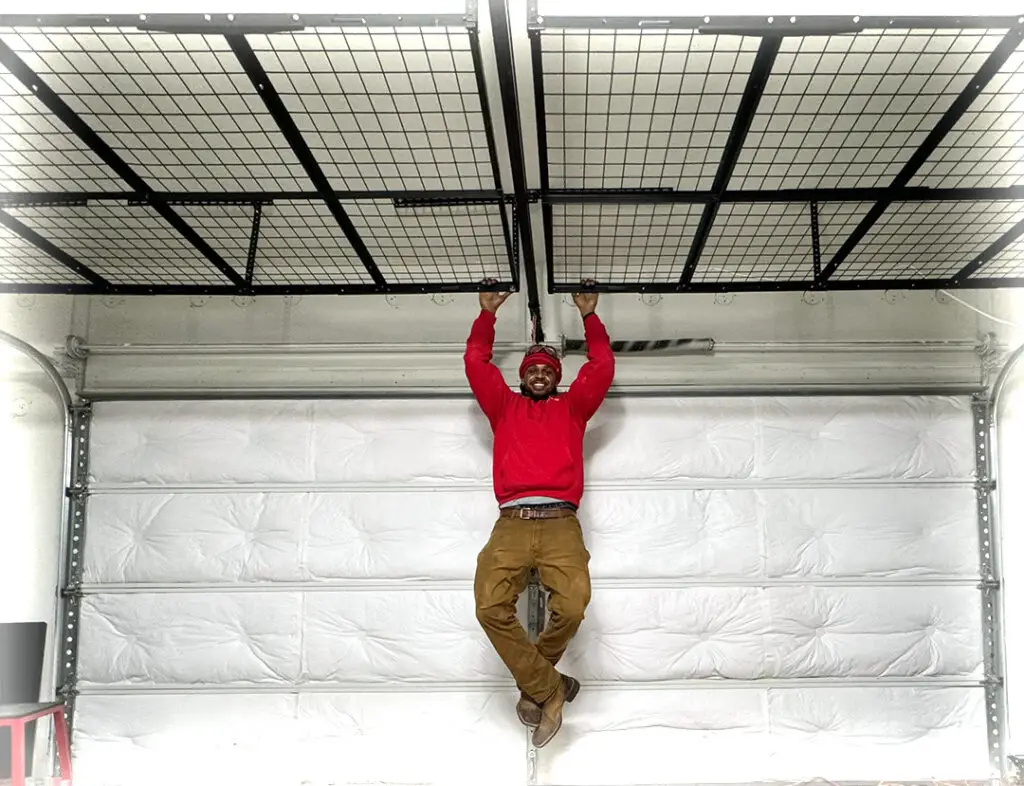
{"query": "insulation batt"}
pixel 313 561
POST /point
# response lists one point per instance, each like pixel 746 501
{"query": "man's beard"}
pixel 537 396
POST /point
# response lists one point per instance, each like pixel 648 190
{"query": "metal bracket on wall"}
pixel 995 698
pixel 1016 769
pixel 536 612
pixel 71 592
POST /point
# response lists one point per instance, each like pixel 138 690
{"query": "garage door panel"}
pixel 875 632
pixel 201 441
pixel 664 634
pixel 882 437
pixel 666 439
pixel 789 632
pixel 699 516
pixel 283 536
pixel 194 537
pixel 642 533
pixel 384 636
pixel 427 535
pixel 432 441
pixel 270 740
pixel 648 533
pixel 620 737
pixel 443 441
pixel 170 639
pixel 891 532
pixel 432 635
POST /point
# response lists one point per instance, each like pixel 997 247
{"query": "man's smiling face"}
pixel 539 380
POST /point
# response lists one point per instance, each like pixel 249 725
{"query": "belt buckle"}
pixel 526 513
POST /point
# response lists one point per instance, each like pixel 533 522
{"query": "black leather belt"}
pixel 551 511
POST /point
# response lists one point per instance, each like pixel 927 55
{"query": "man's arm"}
pixel 590 387
pixel 485 379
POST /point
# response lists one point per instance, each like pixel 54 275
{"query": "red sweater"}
pixel 538 445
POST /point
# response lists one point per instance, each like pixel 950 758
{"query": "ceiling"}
pixel 277 154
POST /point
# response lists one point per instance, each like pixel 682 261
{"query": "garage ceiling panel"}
pixel 850 110
pixel 1009 262
pixel 986 146
pixel 929 240
pixel 761 240
pixel 384 108
pixel 301 243
pixel 640 109
pixel 179 109
pixel 684 155
pixel 622 242
pixel 38 152
pixel 420 244
pixel 22 261
pixel 129 244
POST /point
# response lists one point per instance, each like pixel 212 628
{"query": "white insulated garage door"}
pixel 280 593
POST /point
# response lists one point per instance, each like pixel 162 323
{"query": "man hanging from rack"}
pixel 538 482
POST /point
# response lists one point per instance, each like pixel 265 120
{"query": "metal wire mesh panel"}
pixel 929 240
pixel 384 108
pixel 617 243
pixel 651 108
pixel 38 152
pixel 20 261
pixel 751 241
pixel 178 108
pixel 986 146
pixel 446 243
pixel 836 222
pixel 1008 263
pixel 227 228
pixel 301 243
pixel 124 244
pixel 850 110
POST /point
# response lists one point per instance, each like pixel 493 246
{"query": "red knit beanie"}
pixel 541 358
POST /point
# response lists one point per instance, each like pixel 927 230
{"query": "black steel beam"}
pixel 83 131
pixel 254 239
pixel 275 106
pixel 505 62
pixel 259 289
pixel 552 196
pixel 666 288
pixel 778 25
pixel 30 235
pixel 492 148
pixel 472 286
pixel 815 239
pixel 759 74
pixel 972 267
pixel 991 66
pixel 536 56
pixel 221 24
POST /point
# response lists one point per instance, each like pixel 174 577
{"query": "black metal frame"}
pixel 763 63
pixel 514 136
pixel 772 30
pixel 262 84
pixel 992 65
pixel 137 192
pixel 514 207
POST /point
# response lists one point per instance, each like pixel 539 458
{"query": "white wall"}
pixel 31 442
pixel 31 464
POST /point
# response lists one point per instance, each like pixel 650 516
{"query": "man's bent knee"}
pixel 491 616
pixel 571 611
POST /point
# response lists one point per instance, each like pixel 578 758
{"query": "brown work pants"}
pixel 555 548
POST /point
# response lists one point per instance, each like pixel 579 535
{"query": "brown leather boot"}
pixel 550 717
pixel 529 711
